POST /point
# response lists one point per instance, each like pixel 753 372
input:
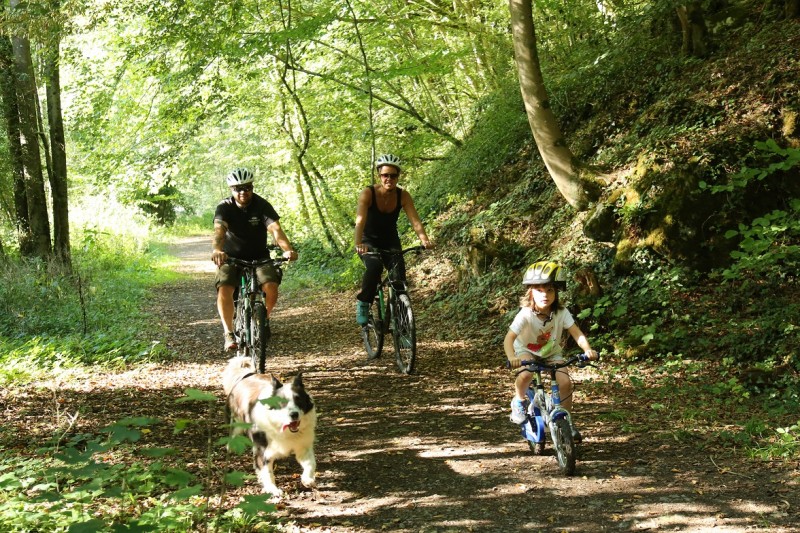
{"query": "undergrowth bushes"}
pixel 51 317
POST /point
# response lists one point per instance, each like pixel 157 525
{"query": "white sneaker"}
pixel 519 410
pixel 230 342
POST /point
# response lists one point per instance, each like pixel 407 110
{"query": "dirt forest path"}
pixel 432 452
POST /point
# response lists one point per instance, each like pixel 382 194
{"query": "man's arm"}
pixel 280 237
pixel 218 242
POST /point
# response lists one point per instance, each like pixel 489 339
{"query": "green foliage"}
pixel 91 316
pixel 769 246
pixel 501 129
pixel 104 483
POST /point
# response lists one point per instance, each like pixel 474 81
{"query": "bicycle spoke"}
pixel 565 448
pixel 404 334
pixel 260 336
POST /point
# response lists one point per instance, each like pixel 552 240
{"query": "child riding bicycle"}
pixel 538 328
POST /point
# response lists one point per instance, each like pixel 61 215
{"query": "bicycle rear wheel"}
pixel 404 333
pixel 260 334
pixel 565 448
pixel 373 333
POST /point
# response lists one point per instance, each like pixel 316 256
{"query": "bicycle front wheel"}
pixel 241 324
pixel 259 333
pixel 565 448
pixel 404 333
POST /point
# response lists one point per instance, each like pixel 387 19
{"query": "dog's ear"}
pixel 276 384
pixel 298 381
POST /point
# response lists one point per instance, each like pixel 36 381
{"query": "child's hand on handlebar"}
pixel 514 362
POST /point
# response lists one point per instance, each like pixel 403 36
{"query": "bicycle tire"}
pixel 259 335
pixel 563 445
pixel 373 333
pixel 404 333
pixel 241 321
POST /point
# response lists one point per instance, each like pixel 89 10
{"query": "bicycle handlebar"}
pixel 277 261
pixel 532 365
pixel 377 251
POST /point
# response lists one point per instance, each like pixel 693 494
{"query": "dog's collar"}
pixel 242 379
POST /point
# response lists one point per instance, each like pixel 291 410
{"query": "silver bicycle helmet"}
pixel 388 159
pixel 543 272
pixel 239 176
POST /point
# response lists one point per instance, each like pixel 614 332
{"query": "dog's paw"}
pixel 308 482
pixel 275 491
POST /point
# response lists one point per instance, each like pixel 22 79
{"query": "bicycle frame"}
pixel 548 407
pixel 251 320
pixel 546 414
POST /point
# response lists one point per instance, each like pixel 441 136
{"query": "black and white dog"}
pixel 282 416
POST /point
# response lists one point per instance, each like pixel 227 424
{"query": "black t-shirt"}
pixel 246 237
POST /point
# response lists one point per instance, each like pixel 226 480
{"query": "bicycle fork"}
pixel 555 411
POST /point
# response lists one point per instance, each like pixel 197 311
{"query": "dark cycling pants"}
pixel 374 265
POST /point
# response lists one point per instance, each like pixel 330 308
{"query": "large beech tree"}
pixel 553 149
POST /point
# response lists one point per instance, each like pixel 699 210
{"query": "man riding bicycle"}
pixel 241 224
pixel 376 227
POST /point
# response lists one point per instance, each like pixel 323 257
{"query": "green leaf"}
pixel 177 477
pixel 236 478
pixel 237 444
pixel 253 505
pixel 196 395
pixel 181 424
pixel 90 526
pixel 157 452
pixel 187 492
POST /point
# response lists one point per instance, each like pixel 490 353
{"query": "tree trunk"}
pixel 693 29
pixel 792 9
pixel 325 229
pixel 552 147
pixel 31 156
pixel 11 115
pixel 58 176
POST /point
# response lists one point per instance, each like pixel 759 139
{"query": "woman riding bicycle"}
pixel 538 328
pixel 241 224
pixel 376 227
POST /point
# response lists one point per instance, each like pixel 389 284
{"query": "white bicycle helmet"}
pixel 239 176
pixel 544 272
pixel 388 159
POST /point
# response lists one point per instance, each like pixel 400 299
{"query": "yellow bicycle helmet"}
pixel 543 272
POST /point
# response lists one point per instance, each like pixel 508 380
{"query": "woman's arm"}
pixel 413 217
pixel 364 200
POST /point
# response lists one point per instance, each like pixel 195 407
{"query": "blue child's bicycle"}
pixel 545 413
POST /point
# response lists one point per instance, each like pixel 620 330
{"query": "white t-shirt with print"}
pixel 533 332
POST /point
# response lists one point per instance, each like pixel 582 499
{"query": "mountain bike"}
pixel 545 413
pixel 250 319
pixel 392 314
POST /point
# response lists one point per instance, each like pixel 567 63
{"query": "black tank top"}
pixel 380 231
